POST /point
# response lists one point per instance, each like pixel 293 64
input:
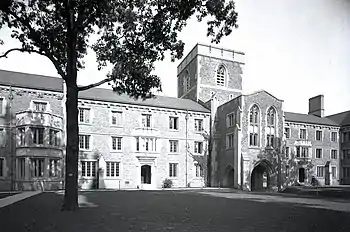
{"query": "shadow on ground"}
pixel 168 211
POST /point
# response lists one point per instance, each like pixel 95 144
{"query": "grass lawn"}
pixel 178 211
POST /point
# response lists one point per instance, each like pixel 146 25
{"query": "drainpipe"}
pixel 186 117
pixel 12 156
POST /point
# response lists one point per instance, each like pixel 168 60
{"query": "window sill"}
pixel 173 178
pixel 174 130
pixel 116 151
pixel 85 123
pixel 254 147
pixel 88 177
pixel 85 150
pixel 112 178
pixel 170 153
pixel 116 126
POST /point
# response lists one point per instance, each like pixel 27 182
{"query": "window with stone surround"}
pixel 84 115
pixel 54 139
pixel 112 169
pixel 320 171
pixel 302 152
pixel 2 166
pixel 287 152
pixel 173 169
pixel 2 137
pixel 334 136
pixel 173 123
pixel 116 118
pixel 334 154
pixel 40 106
pixel 270 126
pixel 84 142
pixel 318 153
pixel 229 140
pixel 54 167
pixel 146 144
pixel 230 120
pixel 302 133
pixel 37 167
pixel 221 76
pixel 318 135
pixel 186 82
pixel 146 120
pixel 198 169
pixel 21 136
pixel 346 172
pixel 88 168
pixel 254 119
pixel 116 143
pixel 173 146
pixel 21 167
pixel 287 132
pixel 37 135
pixel 198 147
pixel 198 125
pixel 334 172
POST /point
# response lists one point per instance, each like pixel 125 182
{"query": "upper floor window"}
pixel 229 141
pixel 270 117
pixel 198 124
pixel 84 115
pixel 287 132
pixel 302 134
pixel 146 120
pixel 334 136
pixel 319 135
pixel 40 106
pixel 146 144
pixel 254 115
pixel 21 136
pixel 198 147
pixel 173 146
pixel 38 135
pixel 84 142
pixel 220 76
pixel 334 154
pixel 173 123
pixel 302 152
pixel 230 119
pixel 1 105
pixel 187 83
pixel 117 143
pixel 318 153
pixel 116 118
pixel 54 137
pixel 254 126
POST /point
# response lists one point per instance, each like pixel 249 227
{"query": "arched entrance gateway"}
pixel 261 176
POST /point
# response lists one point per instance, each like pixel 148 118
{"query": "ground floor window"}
pixel 54 167
pixel 21 162
pixel 199 170
pixel 334 172
pixel 320 171
pixel 112 169
pixel 88 168
pixel 2 164
pixel 37 167
pixel 172 170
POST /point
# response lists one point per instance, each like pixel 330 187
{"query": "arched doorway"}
pixel 260 178
pixel 229 177
pixel 146 174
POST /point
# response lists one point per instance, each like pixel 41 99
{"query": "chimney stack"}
pixel 316 106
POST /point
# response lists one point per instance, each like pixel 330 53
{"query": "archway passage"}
pixel 260 178
pixel 229 178
pixel 146 174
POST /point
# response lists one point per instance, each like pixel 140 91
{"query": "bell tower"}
pixel 208 71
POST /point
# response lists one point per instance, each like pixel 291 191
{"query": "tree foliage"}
pixel 130 36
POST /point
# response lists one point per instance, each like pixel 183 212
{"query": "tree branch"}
pixel 82 88
pixel 20 50
pixel 47 52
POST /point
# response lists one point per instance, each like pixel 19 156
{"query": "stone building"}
pixel 31 127
pixel 212 134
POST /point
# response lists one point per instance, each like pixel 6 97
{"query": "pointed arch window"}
pixel 187 82
pixel 254 116
pixel 220 76
pixel 270 127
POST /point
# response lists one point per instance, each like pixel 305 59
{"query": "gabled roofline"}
pixel 262 90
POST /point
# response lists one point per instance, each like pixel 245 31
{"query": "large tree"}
pixel 132 35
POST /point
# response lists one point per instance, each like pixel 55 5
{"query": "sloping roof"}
pixel 26 80
pixel 262 90
pixel 342 119
pixel 307 118
pixel 100 94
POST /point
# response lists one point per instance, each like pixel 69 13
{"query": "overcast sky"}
pixel 294 49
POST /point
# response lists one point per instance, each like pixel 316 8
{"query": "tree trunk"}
pixel 72 129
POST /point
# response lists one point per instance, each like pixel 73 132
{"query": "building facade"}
pixel 211 135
